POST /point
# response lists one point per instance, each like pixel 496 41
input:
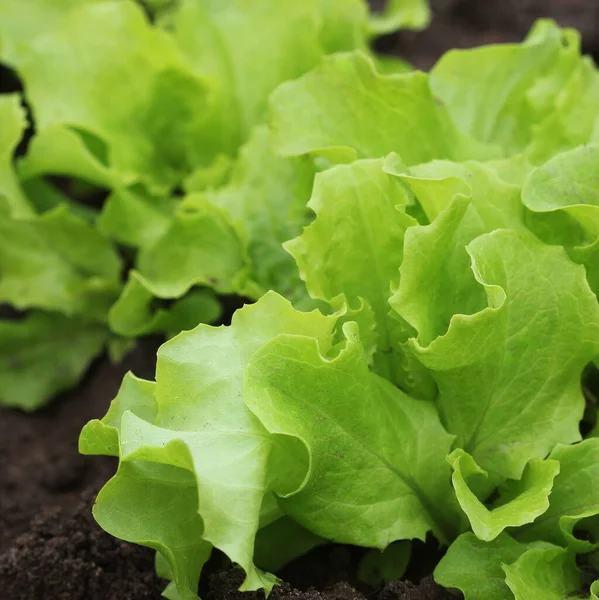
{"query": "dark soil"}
pixel 50 547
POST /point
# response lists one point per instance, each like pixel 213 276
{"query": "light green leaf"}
pixel 136 218
pixel 508 369
pixel 135 94
pixel 214 175
pixel 330 111
pixel 436 266
pixel 22 21
pixel 133 316
pixel 548 573
pixel 102 436
pixel 44 354
pixel 576 109
pixel 203 426
pixel 522 501
pixel 573 501
pixel 354 247
pixel 401 14
pixel 344 25
pixel 489 92
pixel 61 150
pixel 496 202
pixel 57 262
pixel 201 246
pixel 563 195
pixel 156 506
pixel 12 127
pixel 474 566
pixel 245 51
pixel 45 197
pixel 296 391
pixel 266 197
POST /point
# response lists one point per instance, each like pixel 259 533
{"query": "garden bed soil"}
pixel 50 547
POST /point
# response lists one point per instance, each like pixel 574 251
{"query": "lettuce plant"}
pixel 437 390
pixel 159 107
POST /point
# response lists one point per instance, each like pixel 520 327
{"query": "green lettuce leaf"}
pixel 401 14
pixel 344 25
pixel 44 354
pixel 511 338
pixel 266 198
pixel 242 65
pixel 135 218
pixel 495 202
pixel 132 315
pixel 58 262
pixel 12 126
pixel 506 95
pixel 155 505
pixel 136 94
pixel 297 391
pixel 475 567
pixel 354 247
pixel 563 197
pixel 572 518
pixel 522 502
pixel 135 396
pixel 42 269
pixel 544 573
pixel 200 246
pixel 62 150
pixel 202 427
pixel 329 112
pixel 23 21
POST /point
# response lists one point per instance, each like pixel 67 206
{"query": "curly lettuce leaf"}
pixel 202 427
pixel 43 355
pixel 344 25
pixel 521 502
pixel 513 336
pixel 62 150
pixel 200 246
pixel 136 94
pixel 266 197
pixel 220 43
pixel 575 115
pixel 572 519
pixel 58 262
pixel 329 111
pixel 562 196
pixel 544 573
pixel 12 125
pixel 538 96
pixel 401 14
pixel 135 218
pixel 495 201
pixel 354 247
pixel 155 505
pixel 298 392
pixel 136 396
pixel 21 21
pixel 475 567
pixel 132 315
